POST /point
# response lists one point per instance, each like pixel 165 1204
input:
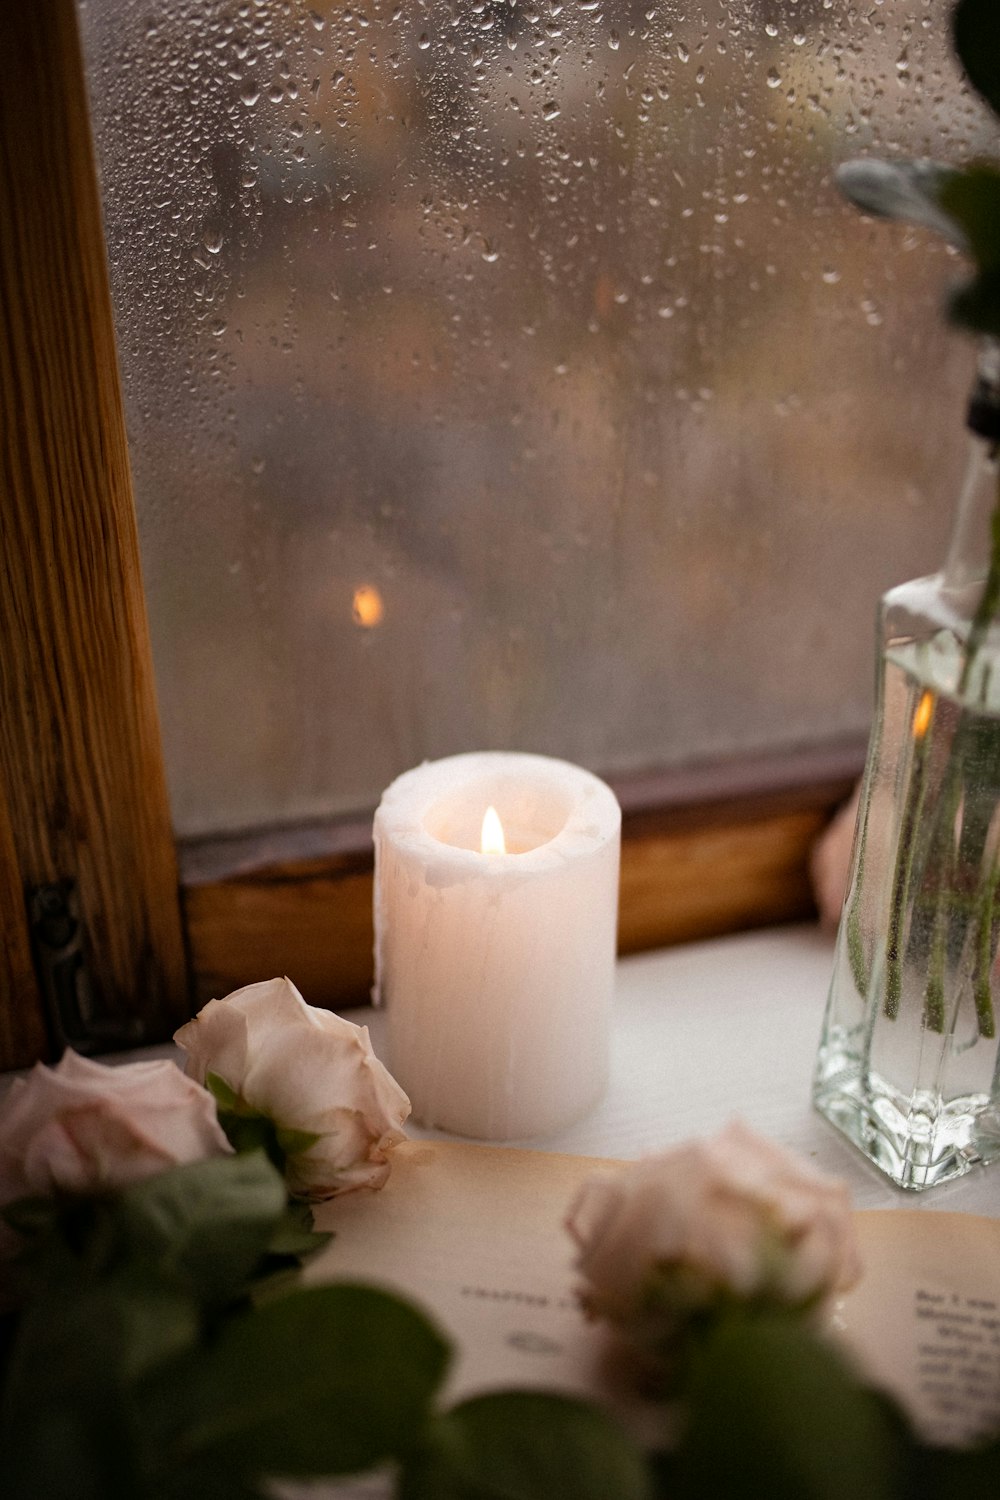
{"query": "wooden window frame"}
pixel 83 801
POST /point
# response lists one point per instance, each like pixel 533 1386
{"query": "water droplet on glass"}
pixel 250 95
pixel 424 41
pixel 773 78
pixel 550 110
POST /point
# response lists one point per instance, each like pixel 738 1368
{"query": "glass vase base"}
pixel 914 1143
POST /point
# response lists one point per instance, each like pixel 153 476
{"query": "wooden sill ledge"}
pixel 704 852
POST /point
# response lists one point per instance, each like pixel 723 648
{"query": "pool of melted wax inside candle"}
pixel 531 813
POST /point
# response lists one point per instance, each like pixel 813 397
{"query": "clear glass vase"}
pixel 908 1061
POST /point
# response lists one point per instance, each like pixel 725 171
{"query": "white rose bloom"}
pixel 308 1071
pixel 736 1215
pixel 84 1126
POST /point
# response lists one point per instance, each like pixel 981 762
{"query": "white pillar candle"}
pixel 497 969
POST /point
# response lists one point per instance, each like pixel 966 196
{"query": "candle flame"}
pixel 492 840
pixel 922 716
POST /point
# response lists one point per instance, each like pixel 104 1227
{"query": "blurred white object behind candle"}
pixel 495 940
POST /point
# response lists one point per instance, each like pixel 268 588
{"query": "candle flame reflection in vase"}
pixel 495 940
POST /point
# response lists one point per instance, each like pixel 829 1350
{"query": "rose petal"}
pixel 308 1070
pixel 215 1042
pixel 84 1126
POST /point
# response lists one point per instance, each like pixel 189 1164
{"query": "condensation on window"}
pixel 509 374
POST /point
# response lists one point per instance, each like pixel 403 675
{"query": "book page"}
pixel 924 1321
pixel 475 1236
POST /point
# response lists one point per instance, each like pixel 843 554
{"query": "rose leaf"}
pixel 294 1240
pixel 31 1217
pixel 327 1380
pixel 526 1445
pixel 69 1423
pixel 248 1132
pixel 776 1411
pixel 294 1142
pixel 975 30
pixel 204 1226
pixel 294 1234
pixel 224 1096
pixel 195 1483
pixel 956 1474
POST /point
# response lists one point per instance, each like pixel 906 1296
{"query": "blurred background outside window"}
pixel 509 374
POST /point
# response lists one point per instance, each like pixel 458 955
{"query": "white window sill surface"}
pixel 707 1031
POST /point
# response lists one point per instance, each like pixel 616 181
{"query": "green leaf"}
pixel 224 1096
pixel 293 1240
pixel 775 1411
pixel 30 1217
pixel 69 1458
pixel 907 190
pixel 196 1483
pixel 292 1142
pixel 975 30
pixel 249 1133
pixel 525 1445
pixel 294 1234
pixel 69 1422
pixel 247 1129
pixel 948 1474
pixel 328 1380
pixel 204 1226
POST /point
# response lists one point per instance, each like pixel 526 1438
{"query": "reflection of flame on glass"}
pixel 367 607
pixel 922 717
pixel 492 841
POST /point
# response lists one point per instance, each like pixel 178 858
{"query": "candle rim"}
pixel 592 819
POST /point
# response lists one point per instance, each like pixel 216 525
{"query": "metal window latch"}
pixel 57 934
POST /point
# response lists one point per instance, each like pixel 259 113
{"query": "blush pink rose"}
pixel 84 1127
pixel 736 1215
pixel 311 1073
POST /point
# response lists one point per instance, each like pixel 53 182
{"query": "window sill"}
pixel 703 1032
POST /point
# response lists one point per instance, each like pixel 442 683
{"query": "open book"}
pixel 474 1234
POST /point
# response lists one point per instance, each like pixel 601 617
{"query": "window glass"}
pixel 509 374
